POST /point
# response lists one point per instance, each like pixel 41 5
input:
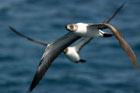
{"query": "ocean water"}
pixel 107 70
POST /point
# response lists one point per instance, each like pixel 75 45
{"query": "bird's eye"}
pixel 71 26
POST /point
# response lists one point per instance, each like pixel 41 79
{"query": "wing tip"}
pixel 29 91
pixel 11 27
pixel 32 86
pixel 136 65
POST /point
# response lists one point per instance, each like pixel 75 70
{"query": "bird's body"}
pixel 86 30
pixel 116 33
pixel 87 38
pixel 72 54
pixel 83 29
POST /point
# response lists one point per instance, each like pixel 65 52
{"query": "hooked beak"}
pixel 67 27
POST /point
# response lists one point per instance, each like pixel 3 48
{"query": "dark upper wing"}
pixel 26 37
pixel 122 42
pixel 50 54
pixel 82 43
pixel 114 14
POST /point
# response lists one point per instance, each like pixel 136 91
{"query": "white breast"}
pixel 72 54
pixel 84 30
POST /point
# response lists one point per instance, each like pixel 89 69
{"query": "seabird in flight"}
pixel 55 48
pixel 72 51
pixel 93 30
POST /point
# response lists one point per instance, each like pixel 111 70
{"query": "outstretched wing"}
pixel 114 14
pixel 50 54
pixel 82 43
pixel 26 37
pixel 122 42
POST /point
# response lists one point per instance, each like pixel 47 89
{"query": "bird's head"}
pixel 72 27
pixel 65 51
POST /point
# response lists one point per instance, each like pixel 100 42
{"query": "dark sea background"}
pixel 107 70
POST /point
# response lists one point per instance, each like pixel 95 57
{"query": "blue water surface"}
pixel 108 69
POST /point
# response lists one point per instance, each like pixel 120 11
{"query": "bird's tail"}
pixel 107 35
